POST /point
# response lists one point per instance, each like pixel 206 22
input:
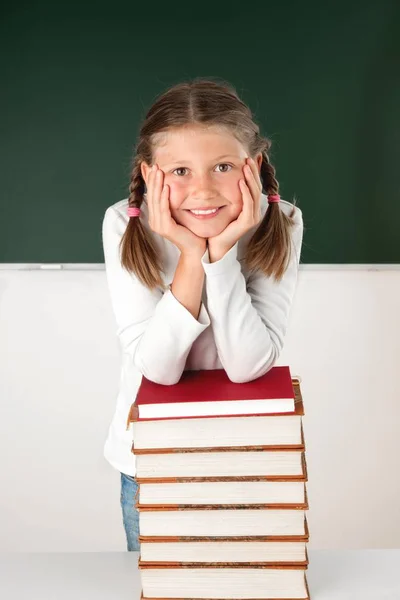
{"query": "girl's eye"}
pixel 224 164
pixel 179 169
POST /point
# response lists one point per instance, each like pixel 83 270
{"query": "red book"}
pixel 206 393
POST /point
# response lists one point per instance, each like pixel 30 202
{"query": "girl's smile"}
pixel 208 213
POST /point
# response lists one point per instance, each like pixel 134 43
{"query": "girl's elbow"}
pixel 254 371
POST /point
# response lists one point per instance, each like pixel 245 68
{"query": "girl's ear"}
pixel 259 159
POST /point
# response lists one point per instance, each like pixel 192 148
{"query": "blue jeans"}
pixel 130 514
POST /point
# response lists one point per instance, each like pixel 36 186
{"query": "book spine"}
pixel 222 478
pixel 196 507
pixel 132 416
pixel 285 567
pixel 275 448
pixel 301 564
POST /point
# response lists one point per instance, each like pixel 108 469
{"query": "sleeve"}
pixel 153 327
pixel 249 321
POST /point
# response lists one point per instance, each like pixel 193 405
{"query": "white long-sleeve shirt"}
pixel 240 328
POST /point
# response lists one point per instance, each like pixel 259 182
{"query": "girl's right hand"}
pixel 161 221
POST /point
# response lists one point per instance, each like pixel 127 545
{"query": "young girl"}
pixel 201 263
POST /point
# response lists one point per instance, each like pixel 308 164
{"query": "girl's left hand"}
pixel 251 214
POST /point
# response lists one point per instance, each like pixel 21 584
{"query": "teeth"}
pixel 204 212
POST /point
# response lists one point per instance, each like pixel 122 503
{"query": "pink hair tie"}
pixel 274 198
pixel 133 211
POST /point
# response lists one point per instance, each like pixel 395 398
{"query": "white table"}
pixel 332 575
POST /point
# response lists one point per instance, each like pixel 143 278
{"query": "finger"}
pixel 163 206
pixel 254 169
pixel 251 181
pixel 165 212
pixel 254 183
pixel 158 185
pixel 150 193
pixel 248 203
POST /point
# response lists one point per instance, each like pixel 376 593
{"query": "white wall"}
pixel 59 373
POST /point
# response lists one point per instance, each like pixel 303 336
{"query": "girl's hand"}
pixel 161 221
pixel 251 214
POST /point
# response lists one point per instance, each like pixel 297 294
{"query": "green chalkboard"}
pixel 322 80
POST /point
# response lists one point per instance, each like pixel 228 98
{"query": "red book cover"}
pixel 210 386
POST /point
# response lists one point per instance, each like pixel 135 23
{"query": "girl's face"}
pixel 202 168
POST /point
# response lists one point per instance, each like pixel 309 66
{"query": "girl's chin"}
pixel 206 231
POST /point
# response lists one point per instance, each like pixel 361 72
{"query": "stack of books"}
pixel 222 500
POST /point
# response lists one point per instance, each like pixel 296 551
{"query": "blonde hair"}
pixel 209 103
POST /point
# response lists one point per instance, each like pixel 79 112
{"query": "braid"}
pixel 267 175
pixel 136 185
pixel 139 250
pixel 269 249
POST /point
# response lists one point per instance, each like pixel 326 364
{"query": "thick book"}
pixel 273 537
pixel 234 549
pixel 226 493
pixel 193 503
pixel 206 393
pixel 286 582
pixel 218 520
pixel 278 430
pixel 224 464
pixel 223 562
pixel 256 489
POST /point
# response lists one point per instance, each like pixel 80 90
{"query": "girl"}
pixel 201 264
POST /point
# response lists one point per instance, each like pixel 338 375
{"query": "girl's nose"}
pixel 203 183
